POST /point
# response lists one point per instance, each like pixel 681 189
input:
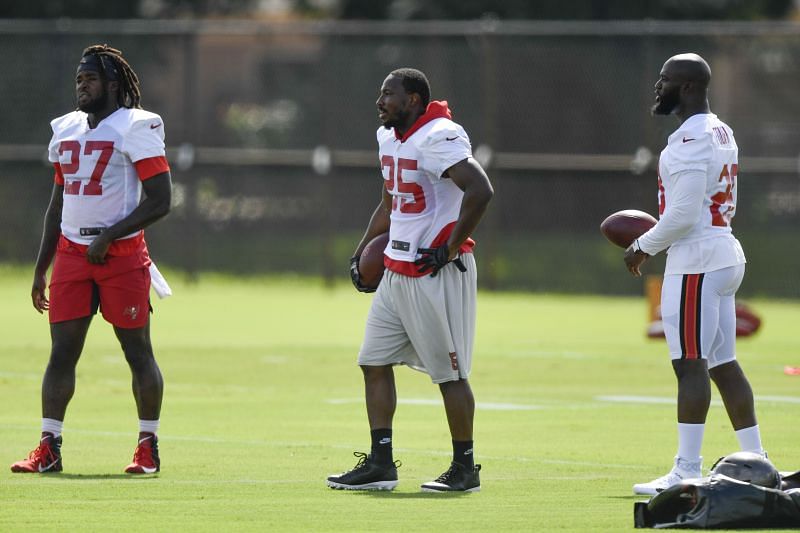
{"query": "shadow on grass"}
pixel 408 495
pixel 93 477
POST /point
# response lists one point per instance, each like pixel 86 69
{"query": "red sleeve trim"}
pixel 59 176
pixel 152 166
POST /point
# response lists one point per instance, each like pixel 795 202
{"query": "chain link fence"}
pixel 271 136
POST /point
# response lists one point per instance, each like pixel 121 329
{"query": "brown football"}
pixel 623 227
pixel 370 262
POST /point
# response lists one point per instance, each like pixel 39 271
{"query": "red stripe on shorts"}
pixel 690 316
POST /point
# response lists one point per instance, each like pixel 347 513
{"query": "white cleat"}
pixel 682 470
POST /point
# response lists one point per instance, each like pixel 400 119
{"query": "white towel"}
pixel 158 282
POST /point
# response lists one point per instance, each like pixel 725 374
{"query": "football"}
pixel 370 262
pixel 623 227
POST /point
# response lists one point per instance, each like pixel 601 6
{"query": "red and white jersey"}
pixel 101 168
pixel 697 175
pixel 425 206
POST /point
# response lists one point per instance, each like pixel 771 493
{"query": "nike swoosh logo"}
pixel 48 467
pixel 451 138
pixel 154 126
pixel 687 140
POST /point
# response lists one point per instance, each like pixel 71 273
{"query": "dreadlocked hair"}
pixel 129 94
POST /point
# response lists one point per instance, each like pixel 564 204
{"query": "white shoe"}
pixel 682 470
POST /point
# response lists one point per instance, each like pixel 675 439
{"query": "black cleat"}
pixel 366 475
pixel 458 478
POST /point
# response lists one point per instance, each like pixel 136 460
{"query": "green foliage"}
pixel 578 9
pixel 263 399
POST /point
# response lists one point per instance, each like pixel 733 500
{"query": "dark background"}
pixel 562 106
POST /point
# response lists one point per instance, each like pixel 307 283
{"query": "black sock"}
pixel 462 453
pixel 381 445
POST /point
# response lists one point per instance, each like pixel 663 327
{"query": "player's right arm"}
pixel 378 222
pixel 47 248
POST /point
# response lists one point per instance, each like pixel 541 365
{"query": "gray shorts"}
pixel 427 323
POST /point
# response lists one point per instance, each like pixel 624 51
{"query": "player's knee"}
pixel 689 369
pixel 138 356
pixel 64 355
pixel 377 372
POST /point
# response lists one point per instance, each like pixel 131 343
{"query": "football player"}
pixel 423 313
pixel 105 153
pixel 697 178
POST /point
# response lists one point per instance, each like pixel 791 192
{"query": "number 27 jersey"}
pixel 101 169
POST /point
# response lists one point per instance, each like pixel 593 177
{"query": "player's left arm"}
pixel 470 177
pixel 155 205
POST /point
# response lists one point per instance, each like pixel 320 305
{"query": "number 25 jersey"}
pixel 101 169
pixel 425 205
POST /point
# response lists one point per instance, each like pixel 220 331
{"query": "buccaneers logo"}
pixel 131 311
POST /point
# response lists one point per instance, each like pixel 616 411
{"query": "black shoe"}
pixel 458 478
pixel 366 475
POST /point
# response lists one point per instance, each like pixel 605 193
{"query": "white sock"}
pixel 148 426
pixel 690 440
pixel 51 425
pixel 750 440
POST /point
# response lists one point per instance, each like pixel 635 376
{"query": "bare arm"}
pixel 47 248
pixel 157 203
pixel 470 177
pixel 378 222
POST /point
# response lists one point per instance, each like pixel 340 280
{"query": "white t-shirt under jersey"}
pixel 101 182
pixel 697 175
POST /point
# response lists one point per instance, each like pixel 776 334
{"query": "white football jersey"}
pixel 697 175
pixel 101 183
pixel 425 206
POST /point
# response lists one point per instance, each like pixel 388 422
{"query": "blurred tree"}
pixel 73 9
pixel 105 9
pixel 561 10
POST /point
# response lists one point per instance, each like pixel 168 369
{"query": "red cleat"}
pixel 145 458
pixel 45 458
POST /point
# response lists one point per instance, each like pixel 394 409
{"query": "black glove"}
pixel 355 277
pixel 435 259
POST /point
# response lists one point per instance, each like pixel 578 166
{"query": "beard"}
pixel 398 120
pixel 666 104
pixel 96 104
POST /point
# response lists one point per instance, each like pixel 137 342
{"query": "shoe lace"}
pixel 143 455
pixel 42 454
pixel 445 478
pixel 362 460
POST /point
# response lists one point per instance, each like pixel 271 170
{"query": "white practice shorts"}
pixel 699 314
pixel 427 323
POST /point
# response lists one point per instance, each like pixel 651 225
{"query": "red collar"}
pixel 436 109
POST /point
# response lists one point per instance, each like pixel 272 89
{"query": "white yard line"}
pixel 671 401
pixel 488 406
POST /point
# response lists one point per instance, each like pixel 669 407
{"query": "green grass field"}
pixel 263 399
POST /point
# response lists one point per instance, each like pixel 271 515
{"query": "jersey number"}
pixel 94 187
pixel 722 203
pixel 409 188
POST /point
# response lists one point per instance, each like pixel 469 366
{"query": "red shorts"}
pixel 120 286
